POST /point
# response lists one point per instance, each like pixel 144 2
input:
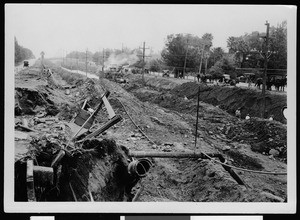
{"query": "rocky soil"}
pixel 158 114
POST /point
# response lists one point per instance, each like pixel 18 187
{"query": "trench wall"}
pixel 228 98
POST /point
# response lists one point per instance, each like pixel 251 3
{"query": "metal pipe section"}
pixel 166 154
pixel 188 155
pixel 139 167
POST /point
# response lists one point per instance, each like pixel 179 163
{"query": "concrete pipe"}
pixel 139 167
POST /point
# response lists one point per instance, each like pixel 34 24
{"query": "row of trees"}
pixel 191 53
pixel 22 53
pixel 188 53
pixel 248 49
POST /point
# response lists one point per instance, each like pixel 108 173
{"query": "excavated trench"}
pixel 94 170
pixel 262 135
pixel 100 169
pixel 228 98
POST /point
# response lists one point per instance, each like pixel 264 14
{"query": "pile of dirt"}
pixel 156 119
pixel 90 171
pixel 264 136
pixel 96 171
pixel 232 98
pixel 228 98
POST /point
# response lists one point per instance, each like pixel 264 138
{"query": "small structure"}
pixel 26 63
pixel 42 55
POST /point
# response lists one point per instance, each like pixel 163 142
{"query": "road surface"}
pixel 20 67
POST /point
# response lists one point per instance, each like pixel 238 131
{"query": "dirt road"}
pixel 155 118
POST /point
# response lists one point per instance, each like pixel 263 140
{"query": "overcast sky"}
pixel 57 28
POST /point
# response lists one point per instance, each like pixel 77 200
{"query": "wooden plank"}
pixel 110 110
pixel 58 158
pixel 106 126
pixel 30 182
pixel 43 176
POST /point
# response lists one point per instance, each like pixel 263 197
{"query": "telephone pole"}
pixel 103 59
pixel 202 54
pixel 77 60
pixel 144 49
pixel 265 70
pixel 63 55
pixel 86 62
pixel 186 51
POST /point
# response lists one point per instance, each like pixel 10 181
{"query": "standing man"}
pixel 198 77
pixel 238 113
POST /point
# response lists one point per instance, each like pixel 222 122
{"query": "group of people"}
pixel 238 115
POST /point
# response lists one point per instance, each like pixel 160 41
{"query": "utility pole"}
pixel 86 62
pixel 99 58
pixel 186 51
pixel 144 49
pixel 206 60
pixel 77 60
pixel 265 70
pixel 103 59
pixel 202 53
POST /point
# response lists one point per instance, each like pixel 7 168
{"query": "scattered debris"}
pixel 95 166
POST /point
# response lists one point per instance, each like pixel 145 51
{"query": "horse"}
pixel 280 84
pixel 258 82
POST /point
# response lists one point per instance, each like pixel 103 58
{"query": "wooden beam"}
pixel 30 182
pixel 110 110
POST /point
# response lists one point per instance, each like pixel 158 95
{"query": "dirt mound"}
pixel 26 100
pixel 96 171
pixel 231 98
pixel 160 120
pixel 267 137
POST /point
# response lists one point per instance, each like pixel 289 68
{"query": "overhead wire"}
pixel 212 159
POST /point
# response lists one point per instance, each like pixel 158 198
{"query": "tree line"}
pixel 193 54
pixel 188 53
pixel 22 53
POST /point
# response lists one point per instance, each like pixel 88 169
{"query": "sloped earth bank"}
pixel 168 120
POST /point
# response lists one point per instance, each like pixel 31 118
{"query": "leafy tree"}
pixel 98 57
pixel 278 47
pixel 181 46
pixel 139 64
pixel 22 53
pixel 249 48
pixel 226 65
pixel 216 54
pixel 239 47
pixel 206 43
pixel 155 65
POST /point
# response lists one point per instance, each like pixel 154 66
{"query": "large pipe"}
pixel 188 155
pixel 166 154
pixel 139 167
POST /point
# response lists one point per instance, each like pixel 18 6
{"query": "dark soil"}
pixel 165 111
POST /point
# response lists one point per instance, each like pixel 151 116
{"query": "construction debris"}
pixel 87 145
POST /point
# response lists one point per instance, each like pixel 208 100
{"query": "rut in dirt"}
pixel 101 165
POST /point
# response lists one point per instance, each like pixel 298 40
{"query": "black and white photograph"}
pixel 147 108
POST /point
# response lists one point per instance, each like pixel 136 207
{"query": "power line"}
pixel 144 49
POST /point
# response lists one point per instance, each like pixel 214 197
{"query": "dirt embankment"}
pixel 228 98
pixel 169 121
